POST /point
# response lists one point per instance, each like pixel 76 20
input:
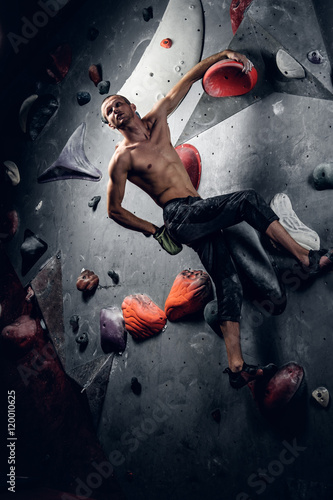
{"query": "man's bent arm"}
pixel 130 221
pixel 115 195
pixel 178 92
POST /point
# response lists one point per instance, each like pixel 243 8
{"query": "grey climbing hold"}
pixel 83 98
pixel 288 66
pixel 103 87
pixel 82 339
pixel 315 57
pixel 74 322
pixel 31 250
pixel 94 202
pixel 323 176
pixel 72 162
pixel 301 233
pixel 322 396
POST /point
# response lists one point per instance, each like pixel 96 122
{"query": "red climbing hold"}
pixel 59 61
pixel 166 43
pixel 274 395
pixel 226 78
pixel 191 160
pixel 237 10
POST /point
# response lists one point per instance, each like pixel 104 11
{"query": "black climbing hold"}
pixel 40 112
pixel 82 339
pixel 94 202
pixel 31 250
pixel 147 13
pixel 103 87
pixel 136 386
pixel 114 276
pixel 216 414
pixel 74 322
pixel 92 34
pixel 83 98
pixel 211 317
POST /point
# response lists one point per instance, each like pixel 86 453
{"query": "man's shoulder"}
pixel 120 157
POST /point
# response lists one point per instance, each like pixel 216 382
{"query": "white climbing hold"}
pixel 301 233
pixel 39 206
pixel 12 171
pixel 288 66
pixel 321 395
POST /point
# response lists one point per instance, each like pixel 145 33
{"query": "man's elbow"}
pixel 113 213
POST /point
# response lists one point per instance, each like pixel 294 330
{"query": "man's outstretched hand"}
pixel 166 242
pixel 236 56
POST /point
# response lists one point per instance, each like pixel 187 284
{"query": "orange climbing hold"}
pixel 166 43
pixel 189 294
pixel 143 318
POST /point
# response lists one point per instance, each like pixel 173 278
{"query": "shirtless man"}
pixel 147 158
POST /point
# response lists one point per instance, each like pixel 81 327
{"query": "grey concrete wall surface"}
pixel 166 438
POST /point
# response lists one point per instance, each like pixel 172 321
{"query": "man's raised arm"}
pixel 118 170
pixel 178 92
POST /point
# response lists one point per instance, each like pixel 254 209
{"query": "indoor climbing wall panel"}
pixel 167 419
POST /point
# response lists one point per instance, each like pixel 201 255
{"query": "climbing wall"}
pixel 150 372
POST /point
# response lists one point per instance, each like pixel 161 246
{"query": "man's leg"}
pixel 215 257
pixel 231 334
pixel 240 373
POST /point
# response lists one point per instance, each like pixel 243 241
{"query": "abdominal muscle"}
pixel 163 185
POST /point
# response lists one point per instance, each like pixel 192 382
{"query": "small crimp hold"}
pixel 166 43
pixel 94 202
pixel 82 339
pixel 136 386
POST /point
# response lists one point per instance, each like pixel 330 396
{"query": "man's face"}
pixel 117 112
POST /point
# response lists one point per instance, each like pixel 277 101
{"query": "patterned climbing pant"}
pixel 198 223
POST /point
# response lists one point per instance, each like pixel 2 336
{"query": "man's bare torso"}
pixel 155 166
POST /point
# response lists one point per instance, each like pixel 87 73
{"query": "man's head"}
pixel 116 111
